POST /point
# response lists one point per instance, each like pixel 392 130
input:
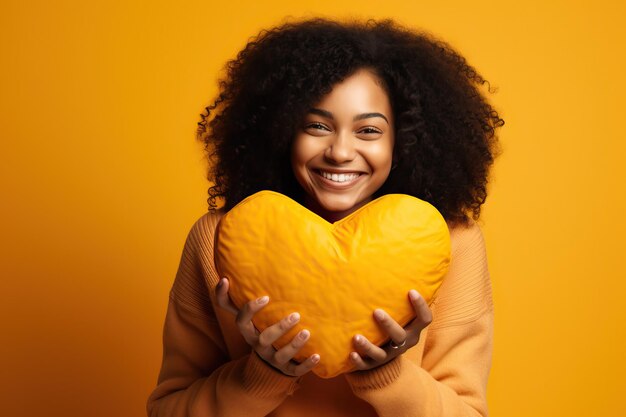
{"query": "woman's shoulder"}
pixel 465 236
pixel 198 255
pixel 203 229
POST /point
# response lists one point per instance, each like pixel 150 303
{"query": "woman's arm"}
pixel 197 377
pixel 452 379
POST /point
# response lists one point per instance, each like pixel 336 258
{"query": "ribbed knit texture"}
pixel 375 378
pixel 264 381
pixel 208 370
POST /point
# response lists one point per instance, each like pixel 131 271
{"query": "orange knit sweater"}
pixel 208 369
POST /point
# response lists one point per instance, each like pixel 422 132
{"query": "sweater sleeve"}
pixel 197 377
pixel 452 379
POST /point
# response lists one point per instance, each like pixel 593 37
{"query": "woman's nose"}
pixel 341 148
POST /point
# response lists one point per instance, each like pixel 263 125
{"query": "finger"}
pixel 275 331
pixel 286 353
pixel 365 347
pixel 223 300
pixel 388 324
pixel 244 319
pixel 249 309
pixel 359 362
pixel 306 366
pixel 423 314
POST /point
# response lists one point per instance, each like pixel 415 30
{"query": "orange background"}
pixel 101 179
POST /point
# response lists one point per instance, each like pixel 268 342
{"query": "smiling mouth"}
pixel 343 177
pixel 335 180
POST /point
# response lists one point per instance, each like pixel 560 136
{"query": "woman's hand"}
pixel 262 342
pixel 402 339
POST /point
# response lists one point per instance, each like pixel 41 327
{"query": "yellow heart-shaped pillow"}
pixel 333 274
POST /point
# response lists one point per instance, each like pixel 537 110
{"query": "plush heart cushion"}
pixel 333 274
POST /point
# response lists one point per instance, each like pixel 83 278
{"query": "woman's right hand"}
pixel 280 359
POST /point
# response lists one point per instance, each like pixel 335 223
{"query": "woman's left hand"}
pixel 369 356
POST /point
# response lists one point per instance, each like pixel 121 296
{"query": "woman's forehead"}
pixel 357 95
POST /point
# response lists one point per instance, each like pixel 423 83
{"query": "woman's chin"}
pixel 335 208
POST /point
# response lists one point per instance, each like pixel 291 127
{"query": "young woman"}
pixel 334 115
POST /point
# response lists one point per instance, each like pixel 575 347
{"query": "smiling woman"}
pixel 343 152
pixel 334 115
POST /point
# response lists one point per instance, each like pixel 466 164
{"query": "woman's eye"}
pixel 370 130
pixel 317 126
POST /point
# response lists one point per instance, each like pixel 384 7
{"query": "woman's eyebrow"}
pixel 329 115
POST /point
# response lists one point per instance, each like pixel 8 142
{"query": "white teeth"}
pixel 339 177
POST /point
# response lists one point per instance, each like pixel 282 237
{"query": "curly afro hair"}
pixel 445 130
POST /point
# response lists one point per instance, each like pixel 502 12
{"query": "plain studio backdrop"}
pixel 101 179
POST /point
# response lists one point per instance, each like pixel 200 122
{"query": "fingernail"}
pixel 379 314
pixel 315 358
pixel 354 356
pixel 262 300
pixel 220 283
pixel 294 317
pixel 414 295
pixel 304 334
pixel 358 339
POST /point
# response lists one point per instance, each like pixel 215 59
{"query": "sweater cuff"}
pixel 375 378
pixel 261 380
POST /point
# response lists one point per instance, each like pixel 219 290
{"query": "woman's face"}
pixel 343 149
